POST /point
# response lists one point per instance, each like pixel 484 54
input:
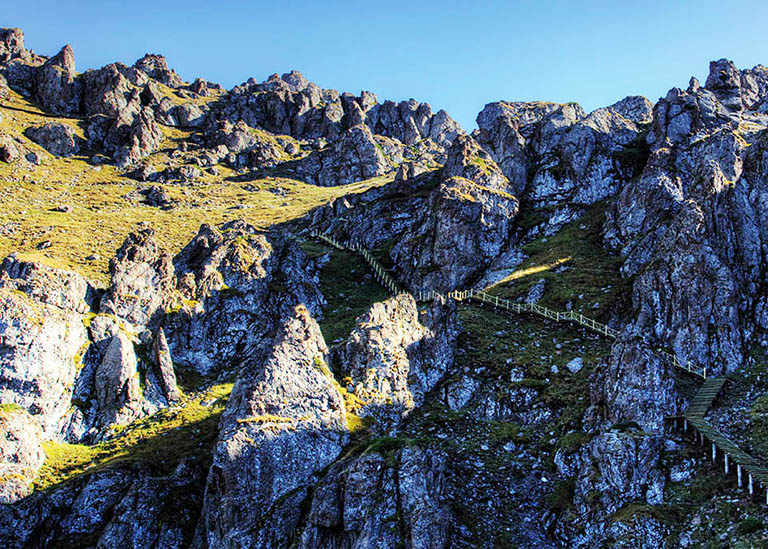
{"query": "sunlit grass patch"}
pixel 159 441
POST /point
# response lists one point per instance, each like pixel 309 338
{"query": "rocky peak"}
pixel 12 45
pixel 724 81
pixel 284 423
pixel 634 107
pixel 155 66
pixel 754 88
pixel 468 160
pixel 65 60
pixel 57 87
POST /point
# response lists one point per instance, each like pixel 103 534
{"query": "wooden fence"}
pixel 694 416
pixel 557 316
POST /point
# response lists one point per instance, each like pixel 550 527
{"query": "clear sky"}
pixel 454 55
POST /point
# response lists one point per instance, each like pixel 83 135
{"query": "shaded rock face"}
pixel 465 226
pixel 129 507
pixel 613 470
pixel 233 285
pixel 56 138
pixel 370 502
pixel 284 422
pixel 395 356
pixel 558 157
pixel 21 453
pixel 42 336
pixel 378 215
pixel 355 156
pixel 693 227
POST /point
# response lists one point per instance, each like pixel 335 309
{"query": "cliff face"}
pixel 190 369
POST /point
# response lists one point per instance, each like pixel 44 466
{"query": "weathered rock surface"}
pixel 42 336
pixel 127 507
pixel 21 453
pixel 284 423
pixel 371 502
pixel 697 208
pixel 355 156
pixel 291 105
pixel 558 157
pixel 155 66
pixel 233 284
pixel 56 138
pixel 395 356
pixel 465 226
pixel 11 45
pixel 142 280
pixel 58 90
pixel 166 374
pixel 616 468
pixel 117 383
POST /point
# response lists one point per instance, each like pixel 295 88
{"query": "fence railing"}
pixel 557 316
pixel 380 273
pixel 385 279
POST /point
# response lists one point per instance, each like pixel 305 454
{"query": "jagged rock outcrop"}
pixel 616 468
pixel 126 507
pixel 144 138
pixel 57 88
pixel 142 280
pixel 155 66
pixel 166 374
pixel 56 138
pixel 558 157
pixel 291 105
pixel 465 226
pixel 681 226
pixel 11 45
pixel 233 284
pixel 242 146
pixel 284 423
pixel 21 453
pixel 395 356
pixel 372 501
pixel 355 156
pixel 411 121
pixel 117 383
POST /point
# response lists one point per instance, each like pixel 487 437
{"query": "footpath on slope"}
pixel 694 415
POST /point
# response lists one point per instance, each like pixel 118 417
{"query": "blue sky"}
pixel 454 55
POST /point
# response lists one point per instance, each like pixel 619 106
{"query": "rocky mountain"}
pixel 183 364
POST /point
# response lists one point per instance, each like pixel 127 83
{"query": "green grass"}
pixel 535 345
pixel 101 216
pixel 159 441
pixel 589 274
pixel 10 408
pixel 345 286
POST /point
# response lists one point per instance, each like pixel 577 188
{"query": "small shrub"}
pixel 749 525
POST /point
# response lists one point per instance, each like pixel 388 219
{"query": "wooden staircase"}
pixel 694 415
